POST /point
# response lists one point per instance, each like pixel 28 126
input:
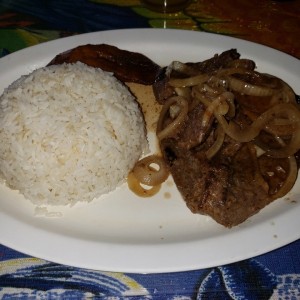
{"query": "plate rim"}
pixel 139 265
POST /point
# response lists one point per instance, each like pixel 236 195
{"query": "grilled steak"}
pixel 236 182
pixel 228 188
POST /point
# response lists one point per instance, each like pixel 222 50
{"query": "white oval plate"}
pixel 122 232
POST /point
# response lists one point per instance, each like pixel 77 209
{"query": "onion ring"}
pixel 218 106
pixel 213 150
pixel 148 175
pixel 246 88
pixel 249 133
pixel 190 81
pixel 135 186
pixel 290 180
pixel 177 122
pixel 290 149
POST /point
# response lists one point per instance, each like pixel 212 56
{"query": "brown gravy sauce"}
pixel 151 110
pixel 150 107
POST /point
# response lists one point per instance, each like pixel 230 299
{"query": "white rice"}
pixel 68 133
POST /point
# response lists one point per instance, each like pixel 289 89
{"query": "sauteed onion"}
pixel 171 128
pixel 245 105
pixel 247 88
pixel 290 180
pixel 289 111
pixel 147 174
pixel 150 171
pixel 135 186
pixel 219 93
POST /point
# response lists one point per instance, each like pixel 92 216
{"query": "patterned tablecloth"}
pixel 275 275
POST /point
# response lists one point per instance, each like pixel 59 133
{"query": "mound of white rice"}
pixel 68 133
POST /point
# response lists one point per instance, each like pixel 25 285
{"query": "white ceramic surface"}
pixel 122 232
